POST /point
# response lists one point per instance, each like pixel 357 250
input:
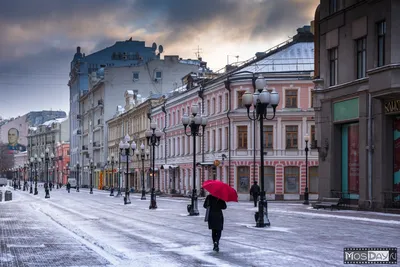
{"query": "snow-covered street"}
pixel 79 229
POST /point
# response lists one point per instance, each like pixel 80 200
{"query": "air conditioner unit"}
pixel 100 102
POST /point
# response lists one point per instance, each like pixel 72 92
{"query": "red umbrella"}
pixel 221 190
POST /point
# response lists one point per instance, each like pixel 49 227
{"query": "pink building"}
pixel 62 162
pixel 230 148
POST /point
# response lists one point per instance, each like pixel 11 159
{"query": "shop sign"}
pixel 392 106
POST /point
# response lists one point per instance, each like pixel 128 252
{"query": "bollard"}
pixel 8 196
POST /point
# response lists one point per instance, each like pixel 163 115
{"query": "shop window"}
pixel 313 179
pixel 292 180
pixel 313 144
pixel 243 180
pixel 240 101
pixel 268 136
pixel 333 6
pixel 269 179
pixel 242 137
pixel 291 137
pixel 291 98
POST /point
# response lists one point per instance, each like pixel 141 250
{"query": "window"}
pixel 242 137
pixel 243 180
pixel 240 95
pixel 313 140
pixel 208 107
pixel 214 133
pixel 135 76
pixel 220 103
pixel 214 109
pixel 291 180
pixel 291 98
pixel 208 145
pixel 226 101
pixel 313 179
pixel 226 138
pixel 269 179
pixel 173 118
pixel 268 136
pixel 312 98
pixel 333 6
pixel 291 136
pixel 220 138
pixel 158 75
pixel 361 57
pixel 183 145
pixel 333 66
pixel 381 43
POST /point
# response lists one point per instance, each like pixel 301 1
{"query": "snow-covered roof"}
pixel 296 57
pixel 50 122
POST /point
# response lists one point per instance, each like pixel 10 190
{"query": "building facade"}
pixel 356 101
pixel 229 149
pixel 47 135
pixel 62 162
pixel 134 121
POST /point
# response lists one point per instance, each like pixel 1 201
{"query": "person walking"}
pixel 68 187
pixel 255 192
pixel 215 218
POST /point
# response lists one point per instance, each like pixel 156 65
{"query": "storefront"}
pixel 346 116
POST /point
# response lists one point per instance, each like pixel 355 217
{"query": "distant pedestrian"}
pixel 215 218
pixel 255 192
pixel 68 187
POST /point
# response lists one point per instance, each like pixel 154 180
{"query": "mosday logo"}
pixel 370 255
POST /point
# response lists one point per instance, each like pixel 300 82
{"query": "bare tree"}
pixel 6 158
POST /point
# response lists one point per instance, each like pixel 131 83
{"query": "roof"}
pixel 50 122
pixel 296 57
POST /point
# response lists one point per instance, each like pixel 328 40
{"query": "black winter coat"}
pixel 215 217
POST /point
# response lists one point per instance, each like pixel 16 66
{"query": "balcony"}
pixel 84 148
pixel 79 117
pixel 96 144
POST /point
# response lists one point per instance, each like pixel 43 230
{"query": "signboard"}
pixel 392 106
pixel 346 110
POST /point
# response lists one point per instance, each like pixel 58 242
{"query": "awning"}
pixel 155 169
pixel 166 167
pixel 205 164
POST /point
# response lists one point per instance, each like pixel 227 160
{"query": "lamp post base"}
pixel 23 188
pixel 262 216
pixel 36 191
pixel 193 210
pixel 77 189
pixel 47 194
pixel 91 190
pixel 127 199
pixel 153 201
pixel 119 193
pixel 112 193
pixel 306 201
pixel 30 190
pixel 143 195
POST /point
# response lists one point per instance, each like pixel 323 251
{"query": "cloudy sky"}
pixel 39 38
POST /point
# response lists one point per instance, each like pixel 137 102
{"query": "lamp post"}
pixel 36 160
pixel 46 159
pixel 112 161
pixel 31 175
pixel 125 148
pixel 262 99
pixel 25 167
pixel 143 155
pixel 77 176
pixel 91 166
pixel 194 123
pixel 306 139
pixel 153 137
pixel 19 171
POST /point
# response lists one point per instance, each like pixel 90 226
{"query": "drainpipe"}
pixel 228 87
pixel 201 95
pixel 165 139
pixel 370 150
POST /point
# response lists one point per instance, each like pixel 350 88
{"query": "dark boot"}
pixel 215 246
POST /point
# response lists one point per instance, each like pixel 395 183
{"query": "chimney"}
pixel 78 49
pixel 304 34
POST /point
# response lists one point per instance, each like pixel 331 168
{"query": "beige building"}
pixel 357 101
pixel 132 120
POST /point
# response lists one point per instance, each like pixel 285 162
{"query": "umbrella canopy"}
pixel 221 190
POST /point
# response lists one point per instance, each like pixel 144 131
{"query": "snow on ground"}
pixel 79 229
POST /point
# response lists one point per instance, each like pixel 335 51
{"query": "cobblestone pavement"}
pixel 79 229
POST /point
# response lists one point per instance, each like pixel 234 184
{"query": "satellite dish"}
pixel 160 49
pixel 154 46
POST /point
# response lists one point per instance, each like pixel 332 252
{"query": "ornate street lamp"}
pixel 142 155
pixel 153 139
pixel 25 168
pixel 46 158
pixel 194 122
pixel 77 176
pixel 261 101
pixel 121 144
pixel 19 174
pixel 31 176
pixel 91 166
pixel 112 161
pixel 125 148
pixel 306 139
